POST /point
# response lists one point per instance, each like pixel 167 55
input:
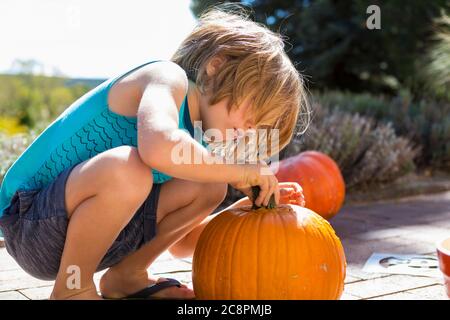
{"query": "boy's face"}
pixel 218 117
pixel 237 120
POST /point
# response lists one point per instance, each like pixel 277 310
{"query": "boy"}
pixel 101 181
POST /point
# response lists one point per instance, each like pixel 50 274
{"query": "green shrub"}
pixel 426 122
pixel 437 63
pixel 11 147
pixel 36 100
pixel 11 125
pixel 367 152
pixel 330 42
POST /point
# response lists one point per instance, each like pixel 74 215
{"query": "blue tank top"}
pixel 86 128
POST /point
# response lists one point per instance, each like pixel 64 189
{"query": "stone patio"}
pixel 407 226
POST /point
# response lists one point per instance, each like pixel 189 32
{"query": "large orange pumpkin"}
pixel 288 252
pixel 321 180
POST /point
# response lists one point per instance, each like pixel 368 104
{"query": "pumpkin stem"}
pixel 255 193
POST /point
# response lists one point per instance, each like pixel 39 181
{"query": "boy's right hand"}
pixel 259 175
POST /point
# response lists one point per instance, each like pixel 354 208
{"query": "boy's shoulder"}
pixel 125 94
pixel 163 72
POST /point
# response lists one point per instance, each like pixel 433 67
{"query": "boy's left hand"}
pixel 291 193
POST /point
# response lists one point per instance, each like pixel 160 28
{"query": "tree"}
pixel 330 43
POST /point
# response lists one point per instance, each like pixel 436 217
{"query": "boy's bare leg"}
pixel 102 195
pixel 185 247
pixel 182 206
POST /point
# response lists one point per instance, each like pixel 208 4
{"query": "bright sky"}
pixel 91 38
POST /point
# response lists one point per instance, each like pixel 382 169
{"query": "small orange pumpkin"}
pixel 321 180
pixel 288 252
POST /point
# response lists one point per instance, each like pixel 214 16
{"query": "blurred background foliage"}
pixel 35 100
pixel 333 47
pixel 28 103
pixel 380 98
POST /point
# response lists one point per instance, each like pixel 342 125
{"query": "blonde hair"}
pixel 256 65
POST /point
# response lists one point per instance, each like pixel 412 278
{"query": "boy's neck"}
pixel 194 97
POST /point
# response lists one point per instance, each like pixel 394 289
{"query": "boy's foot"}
pixel 116 285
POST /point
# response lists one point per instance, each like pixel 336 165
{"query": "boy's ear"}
pixel 214 64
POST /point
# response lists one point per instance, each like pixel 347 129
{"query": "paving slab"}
pixel 347 296
pixel 403 212
pixel 433 292
pixel 350 278
pixel 18 279
pixel 426 233
pixel 12 295
pixel 356 271
pixel 7 262
pixel 387 285
pixel 39 293
pixel 357 252
pixel 404 226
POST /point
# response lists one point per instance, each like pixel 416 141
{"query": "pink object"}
pixel 443 252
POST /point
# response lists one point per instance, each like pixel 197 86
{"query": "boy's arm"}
pixel 158 135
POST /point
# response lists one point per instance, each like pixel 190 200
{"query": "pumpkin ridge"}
pixel 335 178
pixel 325 236
pixel 204 243
pixel 309 253
pixel 233 246
pixel 258 241
pixel 336 255
pixel 329 181
pixel 286 245
pixel 320 178
pixel 308 167
pixel 222 234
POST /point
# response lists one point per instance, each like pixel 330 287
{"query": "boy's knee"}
pixel 127 172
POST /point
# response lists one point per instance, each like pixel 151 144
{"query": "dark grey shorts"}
pixel 35 223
